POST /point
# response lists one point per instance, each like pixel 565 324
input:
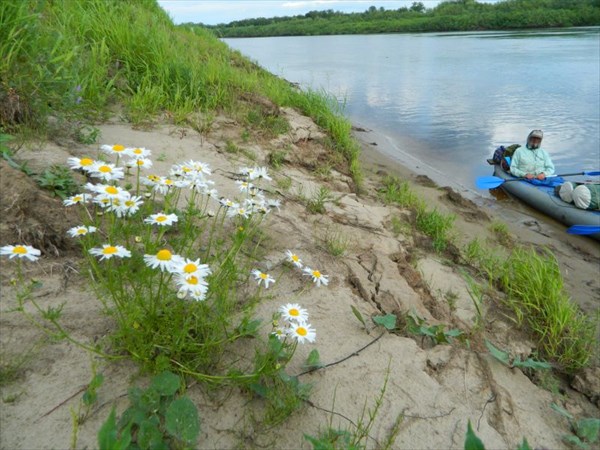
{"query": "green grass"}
pixel 80 61
pixel 398 191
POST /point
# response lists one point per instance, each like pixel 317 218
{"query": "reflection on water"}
pixel 449 99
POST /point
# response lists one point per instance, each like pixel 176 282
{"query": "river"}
pixel 449 99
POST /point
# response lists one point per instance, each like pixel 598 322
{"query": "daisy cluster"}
pixel 317 276
pixel 189 275
pixel 295 324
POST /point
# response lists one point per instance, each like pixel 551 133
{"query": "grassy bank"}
pixel 83 61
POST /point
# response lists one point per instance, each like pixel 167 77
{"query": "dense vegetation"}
pixel 79 61
pixel 453 15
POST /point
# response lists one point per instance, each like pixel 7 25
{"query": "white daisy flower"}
pixel 164 260
pixel 244 186
pixel 239 211
pixel 150 180
pixel 187 267
pixel 293 312
pixel 294 259
pixel 192 286
pixel 109 191
pixel 140 163
pixel 106 171
pixel 138 152
pixel 78 198
pixel 280 332
pixel 20 251
pixel 317 276
pixel 302 331
pixel 200 167
pixel 228 203
pixel 261 276
pixel 163 185
pixel 246 171
pixel 259 173
pixel 80 231
pixel 80 163
pixel 274 203
pixel 129 207
pixel 108 251
pixel 116 149
pixel 161 219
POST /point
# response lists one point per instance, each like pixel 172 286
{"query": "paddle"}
pixel 583 229
pixel 494 182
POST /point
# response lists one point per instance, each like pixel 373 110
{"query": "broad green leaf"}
pixel 259 389
pixel 587 429
pixel 358 315
pixel 107 436
pixel 149 436
pixel 314 360
pixel 574 440
pixel 165 383
pixel 472 442
pixel 497 353
pixel 182 420
pixel 388 321
pixel 90 395
pixel 455 332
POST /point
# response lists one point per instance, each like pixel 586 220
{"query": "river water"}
pixel 449 99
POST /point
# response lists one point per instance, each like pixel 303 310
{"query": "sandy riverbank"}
pixel 433 390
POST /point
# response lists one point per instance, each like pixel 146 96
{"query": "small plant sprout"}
pixel 293 312
pixel 81 230
pixel 108 251
pixel 262 277
pixel 161 219
pixel 294 259
pixel 20 252
pixel 317 277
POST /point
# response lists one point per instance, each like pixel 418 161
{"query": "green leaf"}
pixel 259 389
pixel 314 360
pixel 359 316
pixel 587 429
pixel 574 440
pixel 524 445
pixel 455 332
pixel 532 364
pixel 90 395
pixel 472 442
pixel 497 353
pixel 149 436
pixel 107 436
pixel 388 321
pixel 165 383
pixel 182 420
pixel 561 411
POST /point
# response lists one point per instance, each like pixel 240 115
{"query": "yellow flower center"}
pixel 168 182
pixel 118 148
pixel 105 169
pixel 111 190
pixel 78 198
pixel 129 203
pixel 295 258
pixel 316 274
pixel 153 177
pixel 294 312
pixel 186 169
pixel 190 268
pixel 263 276
pixel 164 255
pixel 192 280
pixel 110 250
pixel 137 151
pixel 301 331
pixel 81 231
pixel 161 218
pixel 20 250
pixel 86 162
pixel 140 162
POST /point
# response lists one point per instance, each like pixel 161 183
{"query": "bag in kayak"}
pixel 583 195
pixel 503 155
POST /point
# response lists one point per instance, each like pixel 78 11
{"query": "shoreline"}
pixel 578 256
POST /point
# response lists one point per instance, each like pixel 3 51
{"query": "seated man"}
pixel 532 161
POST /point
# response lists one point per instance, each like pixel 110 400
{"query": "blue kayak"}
pixel 545 200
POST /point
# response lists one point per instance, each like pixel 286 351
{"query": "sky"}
pixel 212 12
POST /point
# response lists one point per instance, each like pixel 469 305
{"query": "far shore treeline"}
pixel 453 15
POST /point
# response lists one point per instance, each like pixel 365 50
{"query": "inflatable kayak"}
pixel 545 200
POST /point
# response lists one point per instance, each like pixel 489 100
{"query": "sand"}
pixel 432 390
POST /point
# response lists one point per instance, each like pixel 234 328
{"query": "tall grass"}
pixel 535 291
pixel 77 59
